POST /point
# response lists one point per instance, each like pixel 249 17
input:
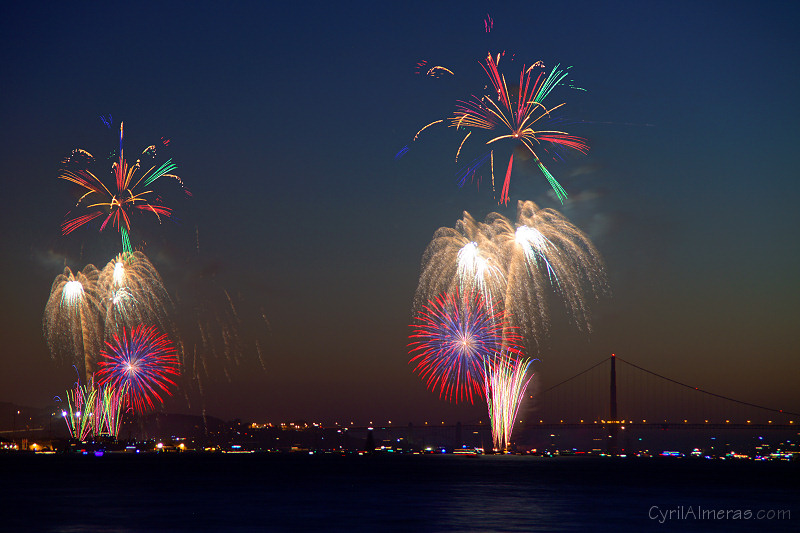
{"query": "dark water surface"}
pixel 263 492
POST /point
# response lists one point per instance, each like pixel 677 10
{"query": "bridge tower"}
pixel 613 427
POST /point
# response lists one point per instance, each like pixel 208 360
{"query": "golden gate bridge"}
pixel 634 395
pixel 610 396
pixel 616 394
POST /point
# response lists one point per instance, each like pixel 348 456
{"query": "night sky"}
pixel 284 123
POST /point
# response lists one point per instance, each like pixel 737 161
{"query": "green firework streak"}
pixel 126 242
pixel 559 190
pixel 168 166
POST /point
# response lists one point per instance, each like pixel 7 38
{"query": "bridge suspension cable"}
pixel 577 375
pixel 698 389
pixel 665 379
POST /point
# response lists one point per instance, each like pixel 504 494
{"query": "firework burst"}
pixel 462 259
pixel 71 318
pixel 140 362
pixel 518 116
pixel 454 338
pixel 116 202
pixel 544 254
pixel 132 293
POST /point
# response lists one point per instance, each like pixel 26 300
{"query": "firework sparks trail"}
pixel 71 319
pixel 545 253
pixel 132 293
pixel 427 126
pixel 110 405
pixel 507 378
pixel 79 414
pixel 469 171
pixel 454 338
pixel 475 270
pixel 142 361
pixel 461 259
pixel 221 332
pixel 116 203
pixel 93 410
pixel 436 71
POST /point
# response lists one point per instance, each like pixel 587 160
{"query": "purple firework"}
pixel 142 362
pixel 452 341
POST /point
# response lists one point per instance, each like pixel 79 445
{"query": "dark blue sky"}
pixel 285 122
